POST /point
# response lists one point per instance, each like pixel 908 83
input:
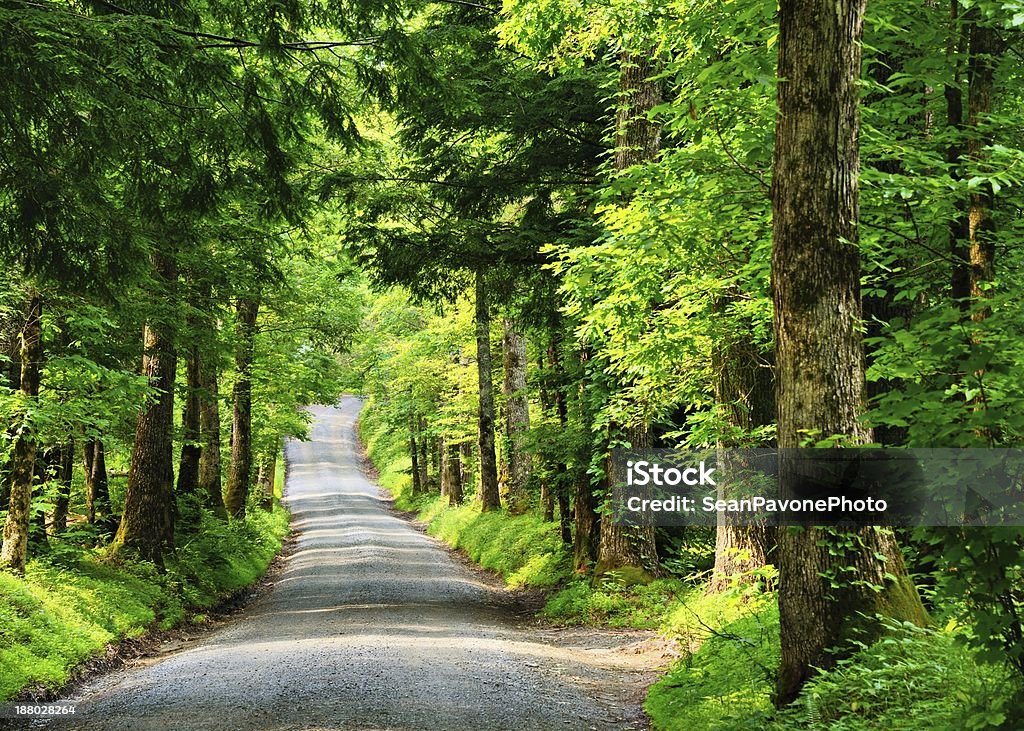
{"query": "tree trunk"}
pixel 489 497
pixel 983 50
pixel 451 481
pixel 267 475
pixel 745 389
pixel 561 487
pixel 638 138
pixel 517 417
pixel 627 546
pixel 960 280
pixel 14 552
pixel 191 421
pixel 414 458
pixel 65 461
pixel 209 432
pixel 11 374
pixel 424 460
pixel 240 473
pixel 147 524
pixel 466 476
pixel 819 353
pixel 97 492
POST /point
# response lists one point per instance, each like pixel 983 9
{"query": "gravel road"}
pixel 372 625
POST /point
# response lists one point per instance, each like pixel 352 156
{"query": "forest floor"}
pixel 373 625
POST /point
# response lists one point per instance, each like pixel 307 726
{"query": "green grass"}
pixel 65 611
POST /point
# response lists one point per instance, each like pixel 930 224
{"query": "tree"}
pixel 489 497
pixel 240 475
pixel 518 461
pixel 16 526
pixel 147 523
pixel 829 584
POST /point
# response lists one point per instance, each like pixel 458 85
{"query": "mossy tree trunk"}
pixel 819 352
pixel 14 552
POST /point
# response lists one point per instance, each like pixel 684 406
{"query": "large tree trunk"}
pixel 745 389
pixel 209 431
pixel 147 524
pixel 519 461
pixel 489 496
pixel 240 473
pixel 191 421
pixel 14 551
pixel 819 352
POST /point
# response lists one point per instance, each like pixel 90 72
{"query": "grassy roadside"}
pixel 913 679
pixel 70 605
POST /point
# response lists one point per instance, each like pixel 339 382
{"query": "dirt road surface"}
pixel 372 625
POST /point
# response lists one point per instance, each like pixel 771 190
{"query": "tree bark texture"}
pixel 265 482
pixel 627 546
pixel 14 552
pixel 424 461
pixel 63 459
pixel 517 416
pixel 147 524
pixel 97 492
pixel 451 479
pixel 240 474
pixel 745 390
pixel 489 496
pixel 414 457
pixel 191 421
pixel 209 479
pixel 983 49
pixel 637 137
pixel 819 353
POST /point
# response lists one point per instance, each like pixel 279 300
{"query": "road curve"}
pixel 370 625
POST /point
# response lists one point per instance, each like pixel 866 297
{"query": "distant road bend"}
pixel 371 625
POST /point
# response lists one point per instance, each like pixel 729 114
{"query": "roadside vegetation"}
pixel 71 604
